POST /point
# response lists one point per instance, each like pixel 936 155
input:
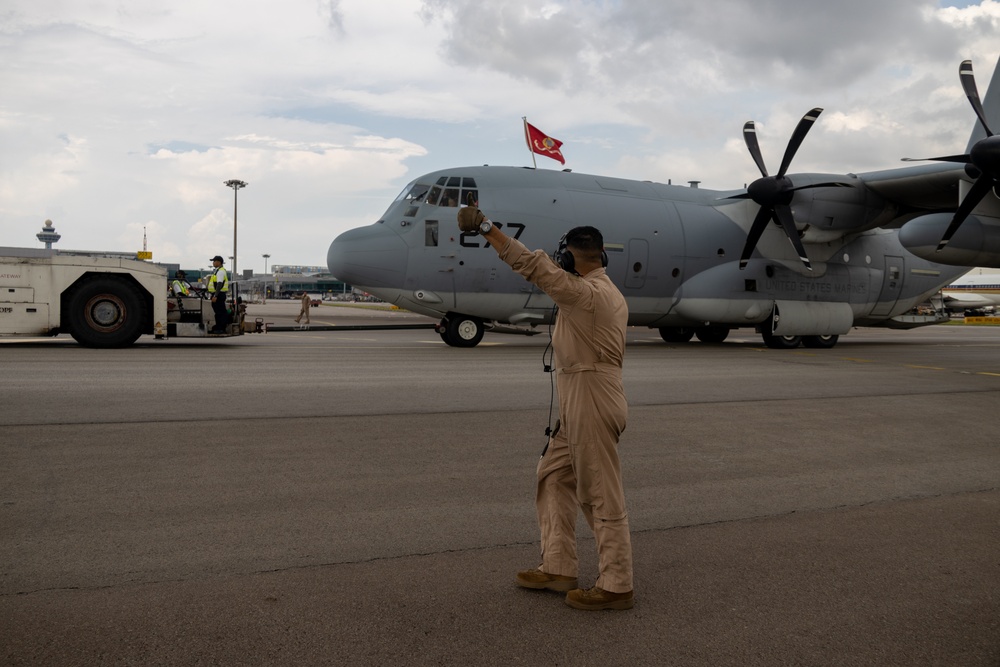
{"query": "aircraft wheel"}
pixel 821 342
pixel 781 342
pixel 676 334
pixel 712 334
pixel 462 331
pixel 106 312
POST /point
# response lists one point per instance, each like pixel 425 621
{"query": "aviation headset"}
pixel 564 257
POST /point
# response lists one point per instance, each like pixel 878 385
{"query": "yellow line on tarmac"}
pixel 930 368
pixel 860 361
pixel 996 375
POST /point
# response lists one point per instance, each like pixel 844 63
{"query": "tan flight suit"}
pixel 306 305
pixel 580 466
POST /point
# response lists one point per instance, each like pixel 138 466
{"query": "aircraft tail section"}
pixel 991 105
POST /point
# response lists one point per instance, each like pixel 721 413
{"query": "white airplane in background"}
pixel 975 290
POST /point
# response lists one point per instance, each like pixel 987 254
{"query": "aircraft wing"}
pixel 931 187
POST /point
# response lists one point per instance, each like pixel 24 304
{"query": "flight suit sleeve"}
pixel 564 288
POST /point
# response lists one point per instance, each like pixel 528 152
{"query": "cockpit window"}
pixel 432 198
pixel 450 191
pixel 417 193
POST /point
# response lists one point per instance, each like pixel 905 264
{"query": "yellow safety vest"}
pixel 220 276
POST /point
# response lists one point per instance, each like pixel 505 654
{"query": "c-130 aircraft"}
pixel 800 257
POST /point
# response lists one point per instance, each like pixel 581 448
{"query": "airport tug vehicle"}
pixel 101 300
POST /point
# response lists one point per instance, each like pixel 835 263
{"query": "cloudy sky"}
pixel 119 116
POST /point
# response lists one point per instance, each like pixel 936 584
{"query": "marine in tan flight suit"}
pixel 580 466
pixel 306 305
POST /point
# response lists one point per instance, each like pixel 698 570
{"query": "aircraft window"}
pixel 432 198
pixel 454 182
pixel 468 183
pixel 402 194
pixel 416 193
pixel 450 198
pixel 431 233
pixel 411 211
pixel 443 180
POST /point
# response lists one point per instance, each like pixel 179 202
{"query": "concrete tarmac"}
pixel 365 498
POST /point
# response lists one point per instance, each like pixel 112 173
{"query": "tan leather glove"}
pixel 470 217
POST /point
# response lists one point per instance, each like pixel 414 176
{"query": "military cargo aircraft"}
pixel 800 257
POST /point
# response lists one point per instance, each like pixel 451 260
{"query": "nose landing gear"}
pixel 461 330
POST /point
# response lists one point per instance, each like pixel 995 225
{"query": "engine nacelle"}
pixel 976 243
pixel 832 211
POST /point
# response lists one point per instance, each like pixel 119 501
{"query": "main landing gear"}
pixel 717 334
pixel 792 342
pixel 709 334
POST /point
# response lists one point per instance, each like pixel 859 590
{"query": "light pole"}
pixel 265 256
pixel 235 185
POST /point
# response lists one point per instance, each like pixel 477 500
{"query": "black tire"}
pixel 820 342
pixel 781 342
pixel 106 312
pixel 676 334
pixel 462 330
pixel 712 334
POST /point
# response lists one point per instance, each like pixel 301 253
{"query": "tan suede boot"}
pixel 553 582
pixel 598 598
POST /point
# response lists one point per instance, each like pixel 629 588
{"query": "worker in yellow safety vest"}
pixel 180 286
pixel 218 289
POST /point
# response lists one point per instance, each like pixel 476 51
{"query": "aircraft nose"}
pixel 371 256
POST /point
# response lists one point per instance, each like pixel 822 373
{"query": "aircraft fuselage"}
pixel 673 251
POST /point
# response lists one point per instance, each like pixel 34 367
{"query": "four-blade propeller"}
pixel 774 193
pixel 984 156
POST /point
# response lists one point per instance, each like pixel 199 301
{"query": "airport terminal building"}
pixel 283 282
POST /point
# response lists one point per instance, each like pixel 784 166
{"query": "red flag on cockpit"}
pixel 541 143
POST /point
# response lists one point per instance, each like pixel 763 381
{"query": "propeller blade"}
pixel 750 138
pixel 783 213
pixel 801 130
pixel 756 229
pixel 964 159
pixel 968 80
pixel 972 199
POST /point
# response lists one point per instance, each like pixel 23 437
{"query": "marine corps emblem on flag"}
pixel 543 144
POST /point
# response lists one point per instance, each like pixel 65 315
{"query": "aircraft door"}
pixel 892 285
pixel 435 264
pixel 638 260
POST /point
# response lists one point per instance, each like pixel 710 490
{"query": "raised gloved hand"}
pixel 470 217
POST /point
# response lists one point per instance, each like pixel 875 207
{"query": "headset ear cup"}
pixel 563 257
pixel 567 261
pixel 604 259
